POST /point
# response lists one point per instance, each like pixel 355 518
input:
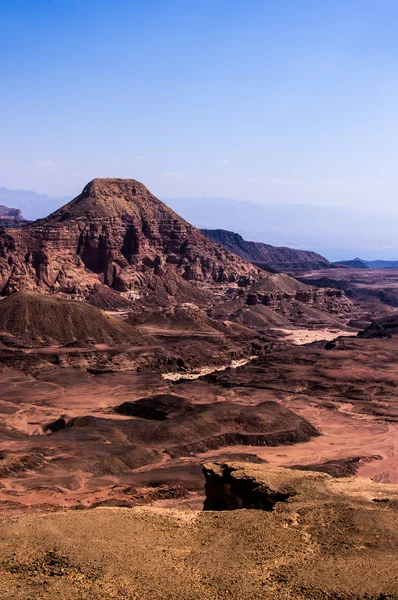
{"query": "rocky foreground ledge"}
pixel 315 537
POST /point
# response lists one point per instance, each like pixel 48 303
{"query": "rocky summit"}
pixel 118 234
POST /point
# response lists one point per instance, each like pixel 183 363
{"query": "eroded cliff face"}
pixel 327 300
pixel 118 234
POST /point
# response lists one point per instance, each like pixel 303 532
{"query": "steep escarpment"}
pixel 118 234
pixel 265 254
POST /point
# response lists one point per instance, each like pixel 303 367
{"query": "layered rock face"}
pixel 325 299
pixel 118 234
pixel 273 256
pixel 290 298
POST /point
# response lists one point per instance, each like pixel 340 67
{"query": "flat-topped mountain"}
pixel 118 234
pixel 266 255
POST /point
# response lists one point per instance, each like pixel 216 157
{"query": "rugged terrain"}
pixel 268 256
pixel 314 537
pixel 134 351
pixel 374 291
pixel 86 436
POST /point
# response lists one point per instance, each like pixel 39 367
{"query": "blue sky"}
pixel 285 101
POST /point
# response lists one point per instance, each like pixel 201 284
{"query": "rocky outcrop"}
pixel 381 328
pixel 329 541
pixel 11 217
pixel 299 303
pixel 265 255
pixel 327 300
pixel 116 233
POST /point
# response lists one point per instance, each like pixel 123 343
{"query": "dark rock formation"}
pixel 229 488
pixel 175 425
pixel 380 328
pixel 265 255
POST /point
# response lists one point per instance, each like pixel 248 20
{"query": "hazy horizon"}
pixel 337 233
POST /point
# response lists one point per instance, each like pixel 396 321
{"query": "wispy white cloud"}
pixel 225 162
pixel 139 157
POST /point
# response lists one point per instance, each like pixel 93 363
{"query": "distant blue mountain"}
pixel 33 206
pixel 360 263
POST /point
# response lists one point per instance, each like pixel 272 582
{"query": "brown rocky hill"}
pixel 267 255
pixel 118 234
pixel 39 319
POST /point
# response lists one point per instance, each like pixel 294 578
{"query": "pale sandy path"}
pixel 307 336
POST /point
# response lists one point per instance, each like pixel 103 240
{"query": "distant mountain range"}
pixel 33 206
pixel 360 263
